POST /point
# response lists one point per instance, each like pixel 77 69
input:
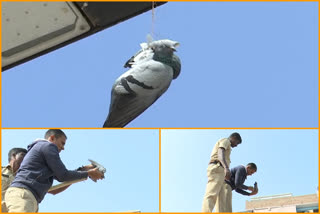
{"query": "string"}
pixel 153 19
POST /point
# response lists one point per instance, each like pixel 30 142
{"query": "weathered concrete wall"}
pixel 281 202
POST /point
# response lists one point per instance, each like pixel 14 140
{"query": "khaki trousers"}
pixel 3 207
pixel 224 201
pixel 20 200
pixel 215 174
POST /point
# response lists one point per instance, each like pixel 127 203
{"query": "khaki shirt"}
pixel 6 179
pixel 222 143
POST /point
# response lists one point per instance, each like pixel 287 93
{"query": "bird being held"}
pixel 151 72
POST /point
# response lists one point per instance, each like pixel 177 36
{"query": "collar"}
pixel 8 167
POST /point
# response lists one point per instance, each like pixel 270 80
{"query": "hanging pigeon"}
pixel 151 72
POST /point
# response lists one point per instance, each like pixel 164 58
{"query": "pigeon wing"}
pixel 126 107
pixel 132 59
pixel 141 56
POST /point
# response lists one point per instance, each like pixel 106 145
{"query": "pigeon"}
pixel 151 72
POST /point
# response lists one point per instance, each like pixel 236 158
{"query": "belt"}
pixel 215 162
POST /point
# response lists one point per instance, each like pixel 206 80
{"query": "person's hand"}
pixel 254 192
pixel 95 174
pixel 87 167
pixel 250 188
pixel 256 187
pixel 227 174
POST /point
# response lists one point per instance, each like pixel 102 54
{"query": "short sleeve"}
pixel 224 143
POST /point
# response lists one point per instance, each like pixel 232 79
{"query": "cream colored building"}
pixel 284 203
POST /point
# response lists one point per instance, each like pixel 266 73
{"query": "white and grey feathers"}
pixel 151 72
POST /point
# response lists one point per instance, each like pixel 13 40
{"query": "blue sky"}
pixel 287 162
pixel 131 158
pixel 244 64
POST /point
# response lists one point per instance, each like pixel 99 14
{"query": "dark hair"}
pixel 237 136
pixel 252 166
pixel 56 132
pixel 15 151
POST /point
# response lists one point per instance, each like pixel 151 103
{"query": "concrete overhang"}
pixel 32 29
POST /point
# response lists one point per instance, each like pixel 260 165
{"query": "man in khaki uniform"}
pixel 218 169
pixel 8 172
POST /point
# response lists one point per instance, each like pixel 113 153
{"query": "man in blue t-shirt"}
pixel 236 182
pixel 39 167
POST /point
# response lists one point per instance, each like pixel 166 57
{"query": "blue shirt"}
pixel 238 177
pixel 40 166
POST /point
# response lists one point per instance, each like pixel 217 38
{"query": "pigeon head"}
pixel 164 46
pixel 164 52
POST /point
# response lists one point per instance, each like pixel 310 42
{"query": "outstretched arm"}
pixel 56 191
pixel 54 162
pixel 254 190
pixel 242 192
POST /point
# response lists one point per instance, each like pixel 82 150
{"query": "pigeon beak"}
pixel 175 45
